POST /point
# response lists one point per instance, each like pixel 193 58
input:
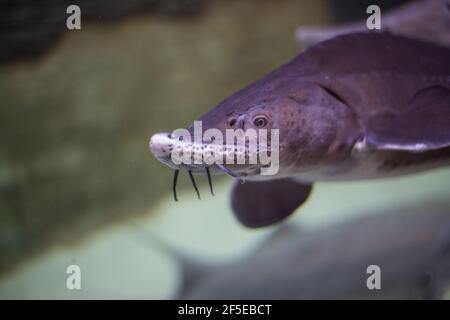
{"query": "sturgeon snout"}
pixel 161 145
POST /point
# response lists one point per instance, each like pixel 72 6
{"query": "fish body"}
pixel 358 106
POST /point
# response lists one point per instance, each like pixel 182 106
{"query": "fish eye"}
pixel 260 121
pixel 231 122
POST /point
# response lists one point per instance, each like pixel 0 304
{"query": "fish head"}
pixel 290 123
pixel 300 124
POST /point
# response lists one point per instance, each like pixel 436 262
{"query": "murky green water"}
pixel 126 262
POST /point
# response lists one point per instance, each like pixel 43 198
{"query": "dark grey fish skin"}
pixel 411 245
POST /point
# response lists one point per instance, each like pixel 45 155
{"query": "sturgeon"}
pixel 358 106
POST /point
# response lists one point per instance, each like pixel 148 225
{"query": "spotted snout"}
pixel 161 144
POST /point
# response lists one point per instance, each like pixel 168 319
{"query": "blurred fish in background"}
pixel 420 19
pixel 76 177
pixel 410 245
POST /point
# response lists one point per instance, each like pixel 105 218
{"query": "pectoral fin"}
pixel 424 125
pixel 262 203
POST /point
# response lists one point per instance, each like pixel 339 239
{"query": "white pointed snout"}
pixel 160 144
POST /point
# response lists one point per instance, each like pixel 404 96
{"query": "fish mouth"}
pixel 161 146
